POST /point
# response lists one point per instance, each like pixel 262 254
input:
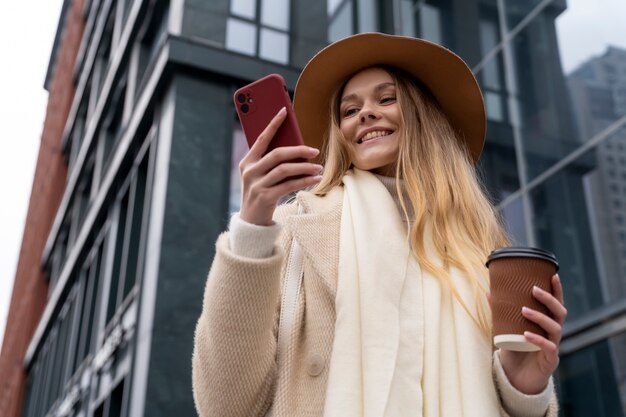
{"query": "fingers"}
pixel 288 170
pixel 547 323
pixel 259 202
pixel 260 145
pixel 284 154
pixel 554 304
pixel 279 165
pixel 557 288
pixel 296 184
pixel 547 346
pixel 266 190
pixel 552 323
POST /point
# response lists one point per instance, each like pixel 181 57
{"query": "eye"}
pixel 387 99
pixel 350 111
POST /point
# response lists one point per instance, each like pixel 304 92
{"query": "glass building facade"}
pixel 152 145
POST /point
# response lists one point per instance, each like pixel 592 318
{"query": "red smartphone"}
pixel 257 103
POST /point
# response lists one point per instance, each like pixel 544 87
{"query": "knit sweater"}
pixel 234 368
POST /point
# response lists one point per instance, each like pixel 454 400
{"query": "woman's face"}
pixel 369 118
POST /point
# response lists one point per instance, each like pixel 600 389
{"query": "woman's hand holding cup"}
pixel 529 372
pixel 265 178
pixel 528 314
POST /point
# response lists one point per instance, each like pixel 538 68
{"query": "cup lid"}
pixel 523 252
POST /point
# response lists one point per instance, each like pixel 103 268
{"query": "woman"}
pixel 393 317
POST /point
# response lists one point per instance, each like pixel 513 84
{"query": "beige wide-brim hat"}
pixel 445 74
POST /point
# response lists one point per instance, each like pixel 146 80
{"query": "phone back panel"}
pixel 257 103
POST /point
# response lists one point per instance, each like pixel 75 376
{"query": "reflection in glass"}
pixel 275 13
pixel 240 36
pixel 491 78
pixel 545 120
pixel 498 161
pixel 513 216
pixel 592 381
pixel 517 10
pixel 434 19
pixel 574 218
pixel 331 6
pixel 598 88
pixel 368 16
pixel 341 24
pixel 430 23
pixel 274 46
pixel 243 8
pixel 491 74
pixel 497 164
pixel 494 105
pixel 407 18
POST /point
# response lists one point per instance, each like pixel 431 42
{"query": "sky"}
pixel 27 32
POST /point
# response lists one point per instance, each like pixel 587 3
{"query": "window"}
pixel 241 36
pixel 341 22
pixel 259 28
pixel 59 253
pixel 239 149
pixel 152 36
pixel 243 8
pixel 346 17
pixel 129 215
pixel 104 54
pixel 407 22
pixel 60 346
pixel 84 192
pixel 491 75
pixel 80 125
pixel 134 227
pixel 89 283
pixel 114 122
pixel 114 405
pixel 591 381
pixel 120 230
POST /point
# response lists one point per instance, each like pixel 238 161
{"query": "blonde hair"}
pixel 440 183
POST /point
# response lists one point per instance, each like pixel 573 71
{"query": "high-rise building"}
pixel 151 145
pixel 598 87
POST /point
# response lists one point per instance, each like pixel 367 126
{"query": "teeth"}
pixel 374 134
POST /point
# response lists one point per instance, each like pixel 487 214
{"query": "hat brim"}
pixel 446 75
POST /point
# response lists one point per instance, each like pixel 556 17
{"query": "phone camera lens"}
pixel 245 108
pixel 241 98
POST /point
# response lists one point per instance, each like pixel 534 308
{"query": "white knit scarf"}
pixel 403 346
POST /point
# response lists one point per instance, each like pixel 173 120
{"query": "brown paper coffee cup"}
pixel 513 272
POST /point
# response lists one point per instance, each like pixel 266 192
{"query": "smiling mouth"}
pixel 373 135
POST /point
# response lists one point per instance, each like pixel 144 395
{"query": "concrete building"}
pixel 148 153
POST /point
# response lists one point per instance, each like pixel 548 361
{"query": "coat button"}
pixel 316 364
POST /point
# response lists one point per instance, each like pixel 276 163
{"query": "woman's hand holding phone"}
pixel 265 178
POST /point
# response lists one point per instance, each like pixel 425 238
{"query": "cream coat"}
pixel 234 367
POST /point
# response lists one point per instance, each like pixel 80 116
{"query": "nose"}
pixel 367 113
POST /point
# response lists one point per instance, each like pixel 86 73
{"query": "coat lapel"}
pixel 317 232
